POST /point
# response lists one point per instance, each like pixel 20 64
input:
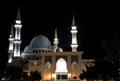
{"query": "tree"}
pixel 83 75
pixel 25 76
pixel 113 56
pixel 101 70
pixel 14 73
pixel 89 74
pixel 35 76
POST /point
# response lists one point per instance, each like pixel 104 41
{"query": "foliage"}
pixel 25 76
pixel 35 76
pixel 14 73
pixel 106 66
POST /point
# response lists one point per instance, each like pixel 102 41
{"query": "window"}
pixel 61 65
pixel 48 65
pixel 74 65
pixel 62 77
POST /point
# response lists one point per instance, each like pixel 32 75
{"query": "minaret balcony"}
pixel 74 45
pixel 18 21
pixel 18 26
pixel 74 28
pixel 56 42
pixel 17 41
pixel 73 31
pixel 10 51
pixel 11 39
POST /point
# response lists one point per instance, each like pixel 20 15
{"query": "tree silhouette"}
pixel 14 73
pixel 35 76
pixel 25 76
pixel 113 56
pixel 90 74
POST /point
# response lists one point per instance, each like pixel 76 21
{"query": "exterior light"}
pixel 53 76
pixel 18 21
pixel 28 74
pixel 69 75
pixel 74 28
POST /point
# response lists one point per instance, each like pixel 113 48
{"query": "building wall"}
pixel 47 64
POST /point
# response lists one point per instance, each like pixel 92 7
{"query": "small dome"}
pixel 27 49
pixel 59 49
pixel 40 41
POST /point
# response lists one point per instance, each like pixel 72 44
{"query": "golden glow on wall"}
pixel 49 76
pixel 61 65
pixel 53 76
pixel 69 75
pixel 28 74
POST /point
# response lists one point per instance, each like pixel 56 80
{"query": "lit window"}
pixel 61 65
pixel 48 65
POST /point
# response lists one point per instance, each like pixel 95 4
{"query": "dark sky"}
pixel 93 22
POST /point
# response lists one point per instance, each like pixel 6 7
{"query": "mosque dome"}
pixel 59 49
pixel 40 41
pixel 27 49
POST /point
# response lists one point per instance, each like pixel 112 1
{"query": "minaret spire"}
pixel 17 40
pixel 18 14
pixel 55 33
pixel 55 41
pixel 74 44
pixel 11 46
pixel 73 20
pixel 11 33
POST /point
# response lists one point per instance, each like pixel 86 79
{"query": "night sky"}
pixel 93 22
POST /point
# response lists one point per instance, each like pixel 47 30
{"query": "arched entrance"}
pixel 61 70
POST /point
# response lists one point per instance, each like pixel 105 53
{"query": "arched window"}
pixel 61 65
pixel 74 65
pixel 48 65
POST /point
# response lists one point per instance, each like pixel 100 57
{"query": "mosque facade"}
pixel 51 61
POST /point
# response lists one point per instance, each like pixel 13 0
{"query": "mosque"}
pixel 53 63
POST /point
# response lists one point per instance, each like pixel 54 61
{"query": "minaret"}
pixel 17 41
pixel 74 44
pixel 11 49
pixel 55 41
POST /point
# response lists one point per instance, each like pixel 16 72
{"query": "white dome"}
pixel 40 41
pixel 59 49
pixel 27 49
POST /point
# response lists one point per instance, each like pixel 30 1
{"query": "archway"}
pixel 61 70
